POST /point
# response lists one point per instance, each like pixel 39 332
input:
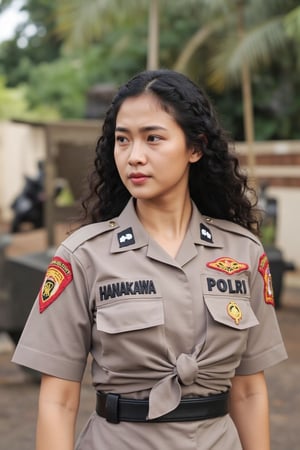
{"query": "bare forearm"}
pixel 251 417
pixel 55 428
pixel 58 407
pixel 249 409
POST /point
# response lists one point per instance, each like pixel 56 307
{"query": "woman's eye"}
pixel 121 139
pixel 153 138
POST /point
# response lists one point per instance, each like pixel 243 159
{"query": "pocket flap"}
pixel 233 312
pixel 129 315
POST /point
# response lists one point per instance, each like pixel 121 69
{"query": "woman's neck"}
pixel 166 222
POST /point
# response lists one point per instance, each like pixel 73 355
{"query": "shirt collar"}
pixel 130 233
pixel 201 231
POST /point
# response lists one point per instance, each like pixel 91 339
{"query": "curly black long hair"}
pixel 217 184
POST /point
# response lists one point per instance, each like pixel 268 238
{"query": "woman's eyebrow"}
pixel 146 128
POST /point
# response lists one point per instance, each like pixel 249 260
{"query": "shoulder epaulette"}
pixel 88 232
pixel 232 227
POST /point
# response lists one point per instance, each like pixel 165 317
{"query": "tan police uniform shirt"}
pixel 156 326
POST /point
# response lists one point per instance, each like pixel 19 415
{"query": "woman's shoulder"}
pixel 88 232
pixel 232 227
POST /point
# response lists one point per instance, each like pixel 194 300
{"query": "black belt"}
pixel 115 408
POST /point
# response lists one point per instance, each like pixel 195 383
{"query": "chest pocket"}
pixel 129 325
pixel 128 315
pixel 229 322
pixel 232 312
pixel 125 305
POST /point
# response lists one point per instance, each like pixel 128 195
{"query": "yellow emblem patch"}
pixel 227 265
pixel 58 276
pixel 264 269
pixel 234 311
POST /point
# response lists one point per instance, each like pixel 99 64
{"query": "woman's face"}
pixel 150 152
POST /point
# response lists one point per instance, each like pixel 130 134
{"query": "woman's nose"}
pixel 137 154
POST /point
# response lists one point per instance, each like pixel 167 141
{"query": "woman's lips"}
pixel 138 178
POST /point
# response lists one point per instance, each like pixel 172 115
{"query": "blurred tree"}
pixel 35 41
pixel 105 56
pixel 106 40
pixel 266 34
pixel 268 40
pixel 60 84
pixel 82 23
pixel 12 101
pixel 14 105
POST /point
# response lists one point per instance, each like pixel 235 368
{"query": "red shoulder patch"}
pixel 264 269
pixel 58 276
pixel 227 265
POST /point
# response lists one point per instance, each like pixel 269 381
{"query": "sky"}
pixel 10 18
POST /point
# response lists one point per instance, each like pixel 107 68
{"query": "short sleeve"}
pixel 57 336
pixel 265 345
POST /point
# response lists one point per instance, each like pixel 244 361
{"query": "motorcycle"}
pixel 28 206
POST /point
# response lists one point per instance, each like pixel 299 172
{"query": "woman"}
pixel 166 286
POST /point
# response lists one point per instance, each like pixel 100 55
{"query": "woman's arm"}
pixel 249 409
pixel 58 407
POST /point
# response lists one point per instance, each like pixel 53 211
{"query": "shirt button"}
pixel 209 219
pixel 112 223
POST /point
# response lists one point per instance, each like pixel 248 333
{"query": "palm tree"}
pixel 268 27
pixel 246 35
pixel 292 23
pixel 81 22
pixel 153 35
pixel 242 36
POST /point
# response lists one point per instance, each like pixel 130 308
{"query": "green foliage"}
pixel 116 57
pixel 78 44
pixel 35 41
pixel 60 85
pixel 14 105
pixel 80 24
pixel 12 101
pixel 292 23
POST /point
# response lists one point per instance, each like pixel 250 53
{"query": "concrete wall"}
pixel 278 165
pixel 23 145
pixel 288 227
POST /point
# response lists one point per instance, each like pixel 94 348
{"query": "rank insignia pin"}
pixel 205 233
pixel 234 311
pixel 126 237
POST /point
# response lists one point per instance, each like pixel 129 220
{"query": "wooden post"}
pixel 153 35
pixel 50 174
pixel 247 102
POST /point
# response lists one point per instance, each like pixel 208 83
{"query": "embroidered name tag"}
pixel 127 289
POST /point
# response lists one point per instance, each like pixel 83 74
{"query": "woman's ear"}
pixel 195 155
pixel 197 152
